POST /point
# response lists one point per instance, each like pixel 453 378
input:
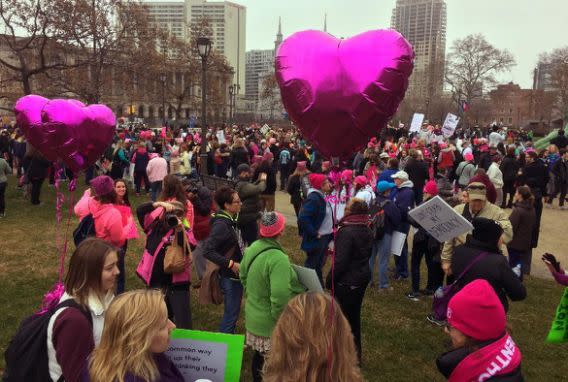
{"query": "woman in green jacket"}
pixel 269 282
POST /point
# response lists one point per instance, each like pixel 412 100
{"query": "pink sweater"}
pixel 108 220
pixel 157 169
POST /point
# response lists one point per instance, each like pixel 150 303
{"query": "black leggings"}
pixel 257 365
pixel 508 189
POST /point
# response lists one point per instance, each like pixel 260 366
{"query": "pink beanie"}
pixel 431 188
pixel 477 312
pixel 316 180
pixel 301 165
pixel 346 176
pixel 102 185
pixel 272 224
pixel 361 180
pixel 268 156
pixel 468 156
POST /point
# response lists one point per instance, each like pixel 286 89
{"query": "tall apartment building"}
pixel 169 16
pixel 228 23
pixel 257 62
pixel 423 24
pixel 543 77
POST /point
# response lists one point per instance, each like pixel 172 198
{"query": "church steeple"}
pixel 278 40
pixel 325 23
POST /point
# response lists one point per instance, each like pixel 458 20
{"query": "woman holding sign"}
pixel 269 284
pixel 136 335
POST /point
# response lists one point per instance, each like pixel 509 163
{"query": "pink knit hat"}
pixel 102 185
pixel 301 165
pixel 316 180
pixel 272 224
pixel 477 312
pixel 361 180
pixel 346 176
pixel 468 156
pixel 431 188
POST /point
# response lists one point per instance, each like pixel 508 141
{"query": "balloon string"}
pixel 72 188
pixel 332 308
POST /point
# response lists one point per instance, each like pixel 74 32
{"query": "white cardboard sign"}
pixel 440 220
pixel 221 137
pixel 416 123
pixel 450 124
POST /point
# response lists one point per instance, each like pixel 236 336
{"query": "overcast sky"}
pixel 525 27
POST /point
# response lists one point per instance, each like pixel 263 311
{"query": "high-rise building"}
pixel 169 16
pixel 257 62
pixel 423 24
pixel 543 75
pixel 228 24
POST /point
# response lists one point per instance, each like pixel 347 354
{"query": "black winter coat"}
pixel 560 170
pixel 417 172
pixel 523 220
pixel 494 268
pixel 536 177
pixel 38 167
pixel 353 247
pixel 250 197
pixel 224 236
pixel 510 167
pixel 239 156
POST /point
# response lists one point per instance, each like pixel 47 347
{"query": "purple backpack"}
pixel 444 294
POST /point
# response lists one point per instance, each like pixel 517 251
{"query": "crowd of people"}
pixel 351 208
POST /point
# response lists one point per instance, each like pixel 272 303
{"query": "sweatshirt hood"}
pixel 98 209
pixel 407 184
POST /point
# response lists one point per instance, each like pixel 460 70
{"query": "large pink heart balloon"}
pixel 66 129
pixel 341 92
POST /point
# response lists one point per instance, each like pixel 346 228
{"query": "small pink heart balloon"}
pixel 66 129
pixel 341 92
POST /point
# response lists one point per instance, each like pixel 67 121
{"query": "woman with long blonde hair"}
pixel 135 336
pixel 304 337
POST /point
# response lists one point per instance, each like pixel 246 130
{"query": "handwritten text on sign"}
pixel 199 359
pixel 440 220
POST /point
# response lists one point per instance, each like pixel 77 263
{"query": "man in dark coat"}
pixel 250 197
pixel 536 177
pixel 418 174
pixel 403 197
pixel 492 266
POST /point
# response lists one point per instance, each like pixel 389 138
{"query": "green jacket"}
pixel 269 284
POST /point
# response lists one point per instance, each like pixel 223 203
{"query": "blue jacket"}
pixel 392 215
pixel 403 197
pixel 310 219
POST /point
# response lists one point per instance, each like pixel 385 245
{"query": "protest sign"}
pixel 559 330
pixel 308 278
pixel 440 219
pixel 265 129
pixel 397 243
pixel 416 123
pixel 450 124
pixel 221 137
pixel 214 356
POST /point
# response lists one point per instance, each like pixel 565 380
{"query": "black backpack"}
pixel 26 356
pixel 85 229
pixel 378 218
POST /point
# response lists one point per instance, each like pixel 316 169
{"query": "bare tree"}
pixel 29 35
pixel 559 79
pixel 270 94
pixel 471 67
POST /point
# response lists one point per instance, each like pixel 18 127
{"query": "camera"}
pixel 172 219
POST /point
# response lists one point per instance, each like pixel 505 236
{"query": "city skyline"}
pixel 508 26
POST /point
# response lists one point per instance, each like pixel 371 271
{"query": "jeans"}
pixel 316 257
pixel 508 190
pixel 350 299
pixel 3 197
pixel 520 257
pixel 536 229
pixel 435 272
pixel 381 249
pixel 284 174
pixel 155 189
pixel 179 307
pixel 233 294
pixel 402 262
pixel 249 232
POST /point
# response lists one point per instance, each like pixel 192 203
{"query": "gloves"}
pixel 552 260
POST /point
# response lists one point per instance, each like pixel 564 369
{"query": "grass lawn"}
pixel 398 343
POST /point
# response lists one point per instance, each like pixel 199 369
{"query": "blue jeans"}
pixel 233 294
pixel 155 189
pixel 316 258
pixel 120 281
pixel 381 249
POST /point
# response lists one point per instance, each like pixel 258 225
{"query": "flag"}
pixel 464 106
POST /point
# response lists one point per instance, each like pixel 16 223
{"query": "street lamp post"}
pixel 163 79
pixel 203 48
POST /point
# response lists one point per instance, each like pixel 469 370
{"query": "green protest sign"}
pixel 559 330
pixel 205 355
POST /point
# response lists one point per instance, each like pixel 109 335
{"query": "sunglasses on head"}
pixel 476 188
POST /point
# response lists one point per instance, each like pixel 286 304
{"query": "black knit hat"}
pixel 486 230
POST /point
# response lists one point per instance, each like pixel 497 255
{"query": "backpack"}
pixel 378 218
pixel 85 229
pixel 284 156
pixel 304 187
pixel 29 347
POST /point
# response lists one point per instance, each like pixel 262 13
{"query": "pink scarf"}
pixel 499 358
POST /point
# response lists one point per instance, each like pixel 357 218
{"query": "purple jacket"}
pixel 560 277
pixel 168 371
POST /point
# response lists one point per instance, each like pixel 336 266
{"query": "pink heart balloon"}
pixel 68 130
pixel 341 92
